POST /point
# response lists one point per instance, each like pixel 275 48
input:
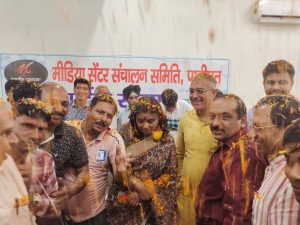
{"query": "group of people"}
pixel 207 162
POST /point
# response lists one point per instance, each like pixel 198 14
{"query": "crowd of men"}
pixel 58 157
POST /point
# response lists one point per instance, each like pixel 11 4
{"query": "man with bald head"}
pixel 12 189
pixel 101 90
pixel 65 143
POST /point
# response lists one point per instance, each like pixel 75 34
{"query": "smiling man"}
pixel 226 190
pixel 278 78
pixel 274 202
pixel 194 146
pixel 65 144
pixel 79 106
pixel 291 142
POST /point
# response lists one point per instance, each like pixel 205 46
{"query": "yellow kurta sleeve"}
pixel 180 149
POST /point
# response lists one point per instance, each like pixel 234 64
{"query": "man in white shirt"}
pixel 174 109
pixel 14 208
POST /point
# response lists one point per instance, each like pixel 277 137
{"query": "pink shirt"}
pixel 275 202
pixel 101 153
pixel 11 187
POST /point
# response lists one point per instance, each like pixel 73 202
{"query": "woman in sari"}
pixel 147 194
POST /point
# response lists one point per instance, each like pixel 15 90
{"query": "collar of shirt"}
pixel 51 137
pixel 98 138
pixel 195 115
pixel 60 129
pixel 234 139
pixel 277 161
pixel 73 104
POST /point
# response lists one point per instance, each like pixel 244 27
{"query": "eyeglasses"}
pixel 198 91
pixel 261 128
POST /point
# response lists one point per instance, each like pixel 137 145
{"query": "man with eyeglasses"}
pixel 291 143
pixel 274 202
pixel 194 146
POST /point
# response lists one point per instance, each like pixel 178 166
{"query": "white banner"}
pixel 152 74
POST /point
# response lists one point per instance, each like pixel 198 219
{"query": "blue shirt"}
pixel 76 113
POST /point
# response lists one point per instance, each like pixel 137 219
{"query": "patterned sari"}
pixel 157 169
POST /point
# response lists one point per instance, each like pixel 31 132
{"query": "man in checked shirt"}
pixel 36 165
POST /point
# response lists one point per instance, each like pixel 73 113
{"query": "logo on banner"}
pixel 26 70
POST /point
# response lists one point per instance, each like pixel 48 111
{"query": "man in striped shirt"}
pixel 275 202
pixel 291 142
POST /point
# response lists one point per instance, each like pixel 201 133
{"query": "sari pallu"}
pixel 157 169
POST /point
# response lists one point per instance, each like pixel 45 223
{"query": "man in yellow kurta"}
pixel 194 146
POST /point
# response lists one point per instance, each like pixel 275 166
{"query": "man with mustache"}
pixel 88 206
pixel 65 144
pixel 235 169
pixel 194 146
pixel 13 189
pixel 291 142
pixel 274 202
pixel 278 78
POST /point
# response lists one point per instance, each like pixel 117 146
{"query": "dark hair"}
pixel 32 108
pixel 11 84
pixel 292 133
pixel 284 109
pixel 279 66
pixel 82 81
pixel 131 88
pixel 25 89
pixel 241 109
pixel 219 93
pixel 150 105
pixel 104 98
pixel 169 97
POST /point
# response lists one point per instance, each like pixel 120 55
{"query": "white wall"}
pixel 173 28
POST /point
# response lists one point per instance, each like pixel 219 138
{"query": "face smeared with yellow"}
pixel 266 135
pixel 30 131
pixel 57 101
pixel 147 123
pixel 224 120
pixel 100 116
pixel 7 136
